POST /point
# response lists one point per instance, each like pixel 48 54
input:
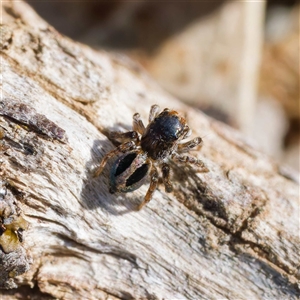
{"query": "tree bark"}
pixel 230 233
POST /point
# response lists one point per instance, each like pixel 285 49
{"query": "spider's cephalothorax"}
pixel 145 148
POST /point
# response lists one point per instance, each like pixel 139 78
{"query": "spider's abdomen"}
pixel 129 172
pixel 161 134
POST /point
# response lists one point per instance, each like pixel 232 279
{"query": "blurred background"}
pixel 237 61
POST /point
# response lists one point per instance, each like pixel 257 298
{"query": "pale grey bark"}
pixel 230 233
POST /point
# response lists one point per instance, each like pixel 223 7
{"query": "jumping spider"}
pixel 158 143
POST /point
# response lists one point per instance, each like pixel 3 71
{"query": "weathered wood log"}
pixel 230 233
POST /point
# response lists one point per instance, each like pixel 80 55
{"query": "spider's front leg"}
pixel 185 147
pixel 121 149
pixel 152 187
pixel 138 124
pixel 199 164
pixel 153 112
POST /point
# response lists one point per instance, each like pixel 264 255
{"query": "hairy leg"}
pixel 185 147
pixel 121 149
pixel 166 177
pixel 123 137
pixel 199 164
pixel 152 187
pixel 138 124
pixel 153 112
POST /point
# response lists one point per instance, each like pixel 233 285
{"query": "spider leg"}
pixel 121 149
pixel 123 137
pixel 185 147
pixel 138 124
pixel 166 177
pixel 153 112
pixel 190 160
pixel 152 187
pixel 186 132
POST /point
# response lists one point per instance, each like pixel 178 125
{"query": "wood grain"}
pixel 230 233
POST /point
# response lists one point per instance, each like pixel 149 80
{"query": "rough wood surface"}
pixel 232 233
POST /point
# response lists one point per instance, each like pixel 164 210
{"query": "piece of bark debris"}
pixel 27 115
